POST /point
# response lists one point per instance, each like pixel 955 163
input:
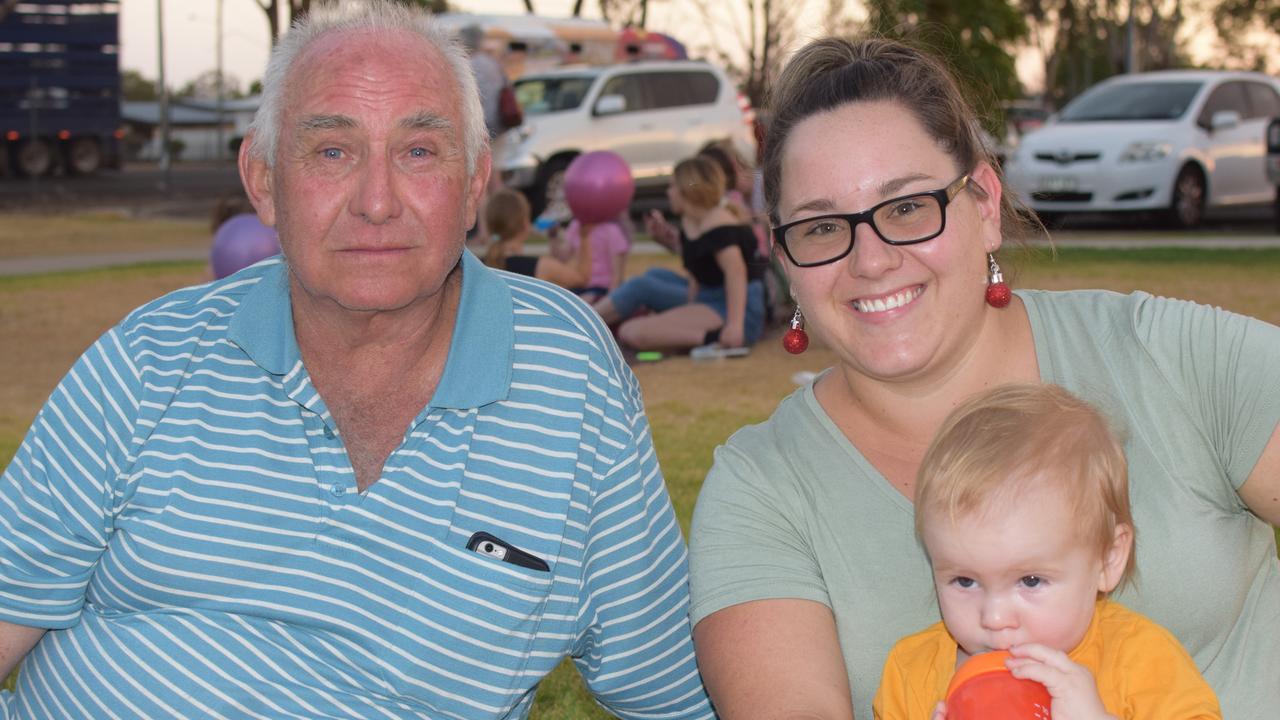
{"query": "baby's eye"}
pixel 963 582
pixel 1030 581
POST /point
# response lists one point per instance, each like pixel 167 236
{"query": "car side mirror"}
pixel 1224 120
pixel 610 105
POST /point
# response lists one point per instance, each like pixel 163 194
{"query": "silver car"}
pixel 1180 142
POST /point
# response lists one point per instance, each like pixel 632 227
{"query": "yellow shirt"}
pixel 1142 671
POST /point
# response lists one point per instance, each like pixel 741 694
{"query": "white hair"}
pixel 355 16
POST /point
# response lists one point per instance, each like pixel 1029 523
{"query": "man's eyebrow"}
pixel 326 122
pixel 425 120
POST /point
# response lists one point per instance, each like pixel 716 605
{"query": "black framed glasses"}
pixel 905 220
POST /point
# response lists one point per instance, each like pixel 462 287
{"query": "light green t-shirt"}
pixel 792 510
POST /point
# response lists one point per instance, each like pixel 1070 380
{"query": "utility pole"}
pixel 164 100
pixel 1131 44
pixel 217 154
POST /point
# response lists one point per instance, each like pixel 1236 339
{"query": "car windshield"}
pixel 539 95
pixel 1132 101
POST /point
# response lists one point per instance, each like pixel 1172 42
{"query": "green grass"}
pixel 46 320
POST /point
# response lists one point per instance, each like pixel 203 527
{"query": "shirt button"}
pixel 337 489
pixel 328 432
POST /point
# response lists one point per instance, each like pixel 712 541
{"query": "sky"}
pixel 190 33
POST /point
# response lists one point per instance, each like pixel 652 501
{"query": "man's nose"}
pixel 376 199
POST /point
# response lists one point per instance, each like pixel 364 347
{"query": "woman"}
pixel 722 299
pixel 506 215
pixel 888 210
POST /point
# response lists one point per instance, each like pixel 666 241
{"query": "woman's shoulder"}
pixel 792 424
pixel 1138 311
pixel 730 231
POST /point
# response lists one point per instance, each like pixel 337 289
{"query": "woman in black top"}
pixel 506 215
pixel 721 299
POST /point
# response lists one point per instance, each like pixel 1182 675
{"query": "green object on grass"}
pixel 649 356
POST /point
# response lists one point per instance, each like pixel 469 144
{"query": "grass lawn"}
pixel 46 321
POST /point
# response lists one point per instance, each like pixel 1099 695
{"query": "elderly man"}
pixel 375 480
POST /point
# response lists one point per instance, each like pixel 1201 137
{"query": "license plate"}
pixel 1057 183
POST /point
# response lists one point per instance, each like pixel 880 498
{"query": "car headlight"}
pixel 1146 151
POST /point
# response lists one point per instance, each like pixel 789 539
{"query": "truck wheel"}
pixel 34 158
pixel 85 156
pixel 1187 208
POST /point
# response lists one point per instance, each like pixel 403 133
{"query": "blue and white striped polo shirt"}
pixel 183 516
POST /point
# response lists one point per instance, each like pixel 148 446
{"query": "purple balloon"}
pixel 240 242
pixel 598 186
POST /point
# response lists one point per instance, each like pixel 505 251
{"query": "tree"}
pixel 1247 30
pixel 974 37
pixel 133 86
pixel 632 13
pixel 1085 42
pixel 205 86
pixel 762 31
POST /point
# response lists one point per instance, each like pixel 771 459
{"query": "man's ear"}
pixel 1116 559
pixel 988 202
pixel 255 174
pixel 477 185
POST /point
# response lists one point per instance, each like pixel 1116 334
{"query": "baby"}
pixel 1022 505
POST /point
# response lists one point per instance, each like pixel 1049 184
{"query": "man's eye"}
pixel 419 152
pixel 331 154
pixel 1031 581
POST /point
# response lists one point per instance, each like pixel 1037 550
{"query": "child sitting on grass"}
pixel 1022 504
pixel 506 215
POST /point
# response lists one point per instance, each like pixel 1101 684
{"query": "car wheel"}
pixel 1186 210
pixel 548 191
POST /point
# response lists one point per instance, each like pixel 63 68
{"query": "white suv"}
pixel 652 113
pixel 1178 141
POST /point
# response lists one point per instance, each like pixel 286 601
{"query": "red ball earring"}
pixel 998 292
pixel 796 340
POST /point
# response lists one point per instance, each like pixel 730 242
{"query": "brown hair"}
pixel 831 72
pixel 506 215
pixel 1019 437
pixel 700 181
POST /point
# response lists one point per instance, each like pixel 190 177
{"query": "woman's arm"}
pixel 619 271
pixel 1261 491
pixel 573 274
pixel 734 267
pixel 662 232
pixel 774 659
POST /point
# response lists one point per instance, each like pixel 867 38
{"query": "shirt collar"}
pixel 477 371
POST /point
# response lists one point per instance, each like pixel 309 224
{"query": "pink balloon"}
pixel 240 242
pixel 598 186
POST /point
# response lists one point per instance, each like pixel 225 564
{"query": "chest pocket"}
pixel 478 616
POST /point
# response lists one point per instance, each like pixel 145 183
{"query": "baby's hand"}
pixel 1074 691
pixel 939 711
